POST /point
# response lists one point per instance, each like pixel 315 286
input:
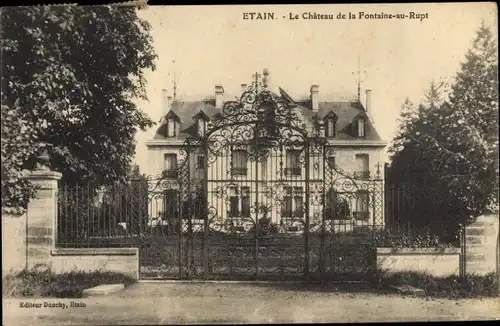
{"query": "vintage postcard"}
pixel 249 164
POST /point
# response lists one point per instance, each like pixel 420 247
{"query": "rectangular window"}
pixel 234 202
pixel 292 163
pixel 293 202
pixel 171 124
pixel 362 166
pixel 337 206
pixel 170 205
pixel 170 165
pixel 286 209
pixel 245 201
pixel 299 206
pixel 239 202
pixel 362 205
pixel 199 204
pixel 239 162
pixel 200 162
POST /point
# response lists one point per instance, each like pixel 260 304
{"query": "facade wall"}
pixel 262 176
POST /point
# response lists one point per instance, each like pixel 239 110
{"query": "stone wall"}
pixel 437 262
pixel 119 260
pixel 482 245
pixel 13 243
pixel 29 241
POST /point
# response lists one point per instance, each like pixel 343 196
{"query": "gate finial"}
pixel 378 170
pixel 265 80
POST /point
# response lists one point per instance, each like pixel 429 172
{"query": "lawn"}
pixel 35 283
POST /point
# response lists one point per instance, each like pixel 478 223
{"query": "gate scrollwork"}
pixel 265 201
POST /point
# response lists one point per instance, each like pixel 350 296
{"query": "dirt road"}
pixel 177 303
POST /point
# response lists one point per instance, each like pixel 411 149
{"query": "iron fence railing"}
pixel 95 216
pixel 239 171
pixel 114 216
pixel 418 216
pixel 362 174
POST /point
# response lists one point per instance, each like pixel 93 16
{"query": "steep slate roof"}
pixel 345 111
pixel 185 111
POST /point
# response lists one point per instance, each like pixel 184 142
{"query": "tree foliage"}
pixel 69 78
pixel 449 148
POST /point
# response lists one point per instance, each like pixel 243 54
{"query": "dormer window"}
pixel 361 128
pixel 330 128
pixel 171 127
pixel 330 122
pixel 200 120
pixel 202 126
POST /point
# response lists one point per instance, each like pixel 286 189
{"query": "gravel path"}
pixel 178 303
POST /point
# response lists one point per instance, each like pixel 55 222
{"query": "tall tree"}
pixel 472 118
pixel 69 76
pixel 451 147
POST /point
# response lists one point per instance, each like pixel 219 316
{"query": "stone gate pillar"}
pixel 482 245
pixel 41 218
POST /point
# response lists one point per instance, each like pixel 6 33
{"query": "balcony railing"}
pixel 362 174
pixel 239 171
pixel 238 214
pixel 361 215
pixel 295 213
pixel 293 171
pixel 170 173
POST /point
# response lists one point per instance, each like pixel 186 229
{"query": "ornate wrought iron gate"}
pixel 257 195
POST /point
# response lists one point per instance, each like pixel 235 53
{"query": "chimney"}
pixel 219 93
pixel 368 100
pixel 169 102
pixel 314 98
pixel 165 101
pixel 243 88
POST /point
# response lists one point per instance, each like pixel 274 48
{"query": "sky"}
pixel 214 45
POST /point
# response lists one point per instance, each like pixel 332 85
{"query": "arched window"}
pixel 361 128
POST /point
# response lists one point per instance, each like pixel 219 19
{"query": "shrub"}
pixel 418 239
pixel 452 287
